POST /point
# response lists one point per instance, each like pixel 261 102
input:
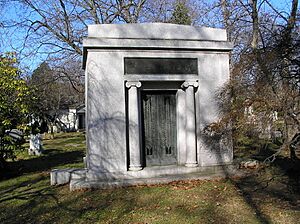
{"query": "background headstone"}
pixel 35 145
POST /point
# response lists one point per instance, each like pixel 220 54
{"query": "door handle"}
pixel 168 149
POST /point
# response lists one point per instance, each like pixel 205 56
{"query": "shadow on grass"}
pixel 273 184
pixel 51 159
pixel 113 206
pixel 277 183
pixel 26 195
pixel 41 203
pixel 38 205
pixel 24 190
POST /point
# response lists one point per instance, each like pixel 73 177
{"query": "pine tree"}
pixel 181 14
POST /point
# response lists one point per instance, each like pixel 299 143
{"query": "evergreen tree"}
pixel 181 14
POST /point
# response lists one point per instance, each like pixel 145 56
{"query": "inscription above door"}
pixel 159 121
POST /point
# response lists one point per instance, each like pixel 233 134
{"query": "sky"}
pixel 12 38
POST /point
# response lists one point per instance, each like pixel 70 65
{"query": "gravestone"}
pixel 35 145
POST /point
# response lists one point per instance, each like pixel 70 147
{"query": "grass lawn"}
pixel 270 195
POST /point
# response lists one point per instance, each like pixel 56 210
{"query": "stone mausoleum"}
pixel 150 94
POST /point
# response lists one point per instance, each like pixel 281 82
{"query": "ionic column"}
pixel 190 125
pixel 134 125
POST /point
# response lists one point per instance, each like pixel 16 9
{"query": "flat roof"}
pixel 160 31
pixel 155 36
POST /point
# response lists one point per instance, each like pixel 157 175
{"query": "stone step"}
pixel 64 176
pixel 157 171
pixel 79 184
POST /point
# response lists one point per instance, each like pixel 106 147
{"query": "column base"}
pixel 135 168
pixel 191 164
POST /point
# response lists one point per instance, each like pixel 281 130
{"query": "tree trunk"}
pixel 226 16
pixel 255 25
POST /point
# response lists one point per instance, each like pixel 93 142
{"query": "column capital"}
pixel 130 84
pixel 186 84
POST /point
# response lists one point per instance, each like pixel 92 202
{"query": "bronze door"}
pixel 159 121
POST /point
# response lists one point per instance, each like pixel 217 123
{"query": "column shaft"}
pixel 191 149
pixel 134 126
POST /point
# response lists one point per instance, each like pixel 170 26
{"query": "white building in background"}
pixel 71 119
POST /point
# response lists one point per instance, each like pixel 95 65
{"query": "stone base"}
pixel 86 179
pixel 209 174
pixel 147 176
pixel 64 176
pixel 191 164
pixel 135 168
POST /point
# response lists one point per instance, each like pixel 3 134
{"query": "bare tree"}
pixel 61 24
pixel 269 70
pixel 265 67
pixel 55 29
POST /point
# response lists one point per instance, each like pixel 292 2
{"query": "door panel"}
pixel 159 112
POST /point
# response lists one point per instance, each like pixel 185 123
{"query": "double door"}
pixel 159 127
